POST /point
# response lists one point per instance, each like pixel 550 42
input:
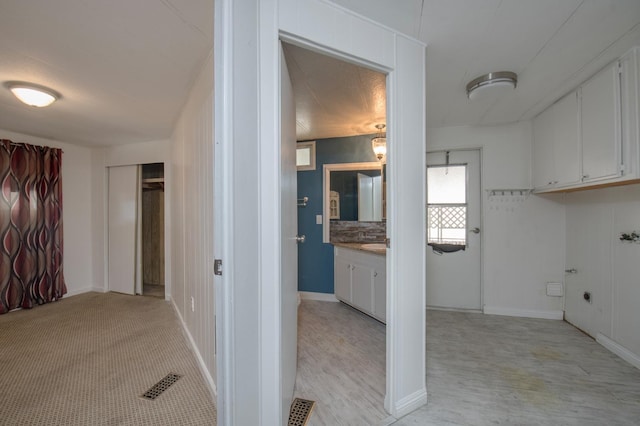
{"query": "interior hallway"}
pixel 87 359
pixel 481 370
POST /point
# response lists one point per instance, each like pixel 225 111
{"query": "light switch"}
pixel 318 219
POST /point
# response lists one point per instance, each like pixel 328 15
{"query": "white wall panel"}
pixel 523 239
pixel 406 219
pixel 336 28
pixel 192 220
pixel 606 266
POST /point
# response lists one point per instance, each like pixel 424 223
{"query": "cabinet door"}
pixel 600 122
pixel 380 294
pixel 566 138
pixel 362 287
pixel 543 161
pixel 342 279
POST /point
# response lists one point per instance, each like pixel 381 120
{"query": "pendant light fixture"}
pixel 33 94
pixel 379 143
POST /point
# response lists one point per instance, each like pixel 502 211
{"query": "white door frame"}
pixel 247 138
pixel 480 210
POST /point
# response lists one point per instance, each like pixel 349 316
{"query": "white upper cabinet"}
pixel 556 134
pixel 544 172
pixel 589 137
pixel 600 125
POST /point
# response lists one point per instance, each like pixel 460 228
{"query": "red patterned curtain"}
pixel 30 226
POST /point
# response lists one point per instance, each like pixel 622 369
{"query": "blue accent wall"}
pixel 315 258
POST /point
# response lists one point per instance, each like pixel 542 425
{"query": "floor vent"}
pixel 300 412
pixel 157 389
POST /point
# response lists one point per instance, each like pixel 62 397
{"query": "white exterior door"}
pixel 122 228
pixel 453 230
pixel 289 248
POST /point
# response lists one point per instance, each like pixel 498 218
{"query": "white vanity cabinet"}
pixel 589 138
pixel 360 280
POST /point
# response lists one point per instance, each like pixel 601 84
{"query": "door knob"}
pixel 475 230
pixel 300 239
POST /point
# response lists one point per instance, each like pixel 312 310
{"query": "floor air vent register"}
pixel 300 412
pixel 157 389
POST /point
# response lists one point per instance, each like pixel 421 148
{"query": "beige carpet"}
pixel 85 360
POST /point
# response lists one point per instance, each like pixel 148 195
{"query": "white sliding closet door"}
pixel 123 229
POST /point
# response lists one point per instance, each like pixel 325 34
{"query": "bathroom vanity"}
pixel 360 278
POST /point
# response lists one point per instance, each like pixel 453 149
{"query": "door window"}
pixel 447 204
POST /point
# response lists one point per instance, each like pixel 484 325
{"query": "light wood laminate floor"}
pixel 481 370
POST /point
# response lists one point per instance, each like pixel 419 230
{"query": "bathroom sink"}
pixel 374 246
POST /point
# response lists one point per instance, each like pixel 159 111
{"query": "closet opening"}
pixel 152 230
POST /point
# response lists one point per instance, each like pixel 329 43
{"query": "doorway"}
pixel 453 230
pixel 136 262
pixel 321 80
pixel 152 240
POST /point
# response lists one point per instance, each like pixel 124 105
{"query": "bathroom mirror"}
pixel 352 192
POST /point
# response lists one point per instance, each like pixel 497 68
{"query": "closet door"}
pixel 122 228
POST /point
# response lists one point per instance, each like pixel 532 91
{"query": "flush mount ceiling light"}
pixel 379 143
pixel 492 80
pixel 33 94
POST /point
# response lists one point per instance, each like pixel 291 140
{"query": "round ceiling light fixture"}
pixel 491 80
pixel 33 94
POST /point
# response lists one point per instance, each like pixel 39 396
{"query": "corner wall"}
pixel 523 239
pixel 77 199
pixel 191 168
pixel 605 266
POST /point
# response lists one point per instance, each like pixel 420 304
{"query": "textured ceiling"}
pixel 333 97
pixel 125 67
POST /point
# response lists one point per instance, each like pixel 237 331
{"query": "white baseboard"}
pixel 409 403
pixel 211 384
pixel 312 295
pixel 619 350
pixel 440 308
pixel 82 290
pixel 526 313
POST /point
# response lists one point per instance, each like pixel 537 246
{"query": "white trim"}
pixel 619 350
pixel 311 146
pixel 525 313
pixel 83 290
pixel 443 308
pixel 194 348
pixel 223 242
pixel 322 297
pixel 410 403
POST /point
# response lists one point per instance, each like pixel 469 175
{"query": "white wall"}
pixel 523 237
pixel 606 267
pixel 77 219
pixel 192 220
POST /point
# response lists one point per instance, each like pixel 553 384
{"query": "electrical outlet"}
pixel 193 304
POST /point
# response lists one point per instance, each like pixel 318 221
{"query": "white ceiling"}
pixel 125 67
